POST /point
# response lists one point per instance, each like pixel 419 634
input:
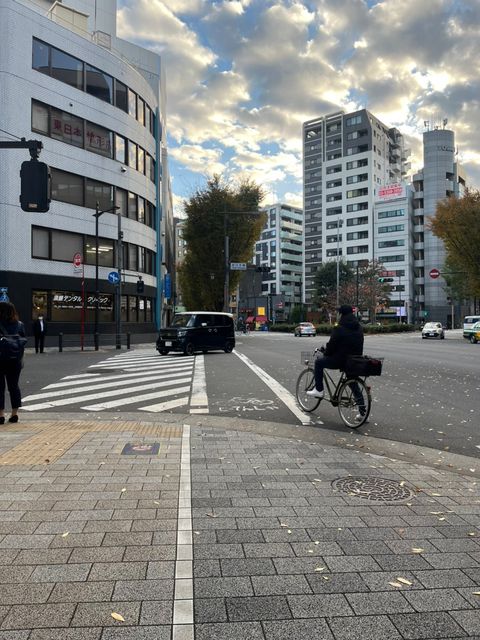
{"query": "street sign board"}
pixel 4 294
pixel 387 274
pixel 434 273
pixel 238 266
pixel 113 277
pixel 77 263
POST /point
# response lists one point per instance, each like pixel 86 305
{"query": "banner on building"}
pixel 391 192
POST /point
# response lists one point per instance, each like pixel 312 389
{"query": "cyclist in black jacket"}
pixel 346 340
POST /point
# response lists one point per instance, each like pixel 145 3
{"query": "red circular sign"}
pixel 77 260
pixel 434 273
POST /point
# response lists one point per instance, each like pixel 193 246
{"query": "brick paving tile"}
pixel 210 610
pixel 143 590
pixel 223 587
pixel 386 602
pixel 268 550
pixel 436 600
pixel 25 593
pixel 469 621
pixel 280 585
pixel 258 608
pixel 15 635
pixel 317 606
pixel 156 553
pixel 338 564
pixel 61 573
pixel 207 568
pixel 82 592
pixel 203 551
pixel 108 526
pixel 247 567
pixel 138 633
pixel 336 583
pixel 15 574
pixel 38 616
pixel 297 630
pixel 285 535
pixel 118 571
pixel 156 612
pixel 228 631
pixel 26 542
pixel 160 570
pixel 239 536
pixel 438 578
pixel 371 627
pixel 78 540
pixel 88 633
pixel 99 614
pixel 417 626
pixel 97 554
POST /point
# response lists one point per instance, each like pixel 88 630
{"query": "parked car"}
pixel 433 330
pixel 305 329
pixel 198 331
pixel 475 333
pixel 468 323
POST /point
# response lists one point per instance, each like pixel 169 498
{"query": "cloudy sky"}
pixel 243 75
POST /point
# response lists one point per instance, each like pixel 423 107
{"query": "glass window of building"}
pixel 132 257
pixel 141 259
pixel 67 187
pixel 41 57
pixel 120 149
pixel 66 306
pixel 124 308
pixel 132 309
pixel 121 96
pixel 40 243
pixel 132 205
pixel 147 117
pixel 40 117
pixel 65 245
pixel 132 103
pixel 141 160
pixel 39 304
pixel 98 140
pixel 98 192
pixel 141 210
pixel 121 200
pixel 132 154
pixel 66 127
pixel 149 315
pixel 99 84
pixel 105 251
pixel 66 68
pixel 149 214
pixel 141 111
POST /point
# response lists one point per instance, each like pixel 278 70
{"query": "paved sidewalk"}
pixel 228 534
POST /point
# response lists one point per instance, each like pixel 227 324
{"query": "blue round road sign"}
pixel 113 277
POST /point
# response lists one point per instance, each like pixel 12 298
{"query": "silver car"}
pixel 433 330
pixel 305 329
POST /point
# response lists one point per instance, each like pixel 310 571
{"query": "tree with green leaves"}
pixel 457 223
pixel 210 211
pixel 325 283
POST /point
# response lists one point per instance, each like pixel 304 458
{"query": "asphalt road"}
pixel 428 393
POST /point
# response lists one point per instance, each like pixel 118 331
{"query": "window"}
pixel 150 215
pixel 335 169
pixel 141 210
pixel 141 111
pixel 334 183
pixel 121 200
pixel 132 257
pixel 41 57
pixel 358 249
pixel 353 135
pixel 354 164
pixel 98 192
pixel 39 304
pixel 353 120
pixel 98 140
pixel 40 243
pixel 351 222
pixel 393 259
pixel 120 148
pixel 394 213
pixel 67 187
pixel 334 211
pixel 358 178
pixel 132 154
pixel 121 98
pixel 132 103
pixel 359 206
pixel 356 193
pixel 40 117
pixel 99 84
pixel 391 243
pixel 336 238
pixel 334 197
pixel 151 164
pixel 66 127
pixel 132 206
pixel 105 251
pixel 357 235
pixel 141 160
pixel 66 68
pixel 334 156
pixel 351 151
pixel 65 245
pixel 391 228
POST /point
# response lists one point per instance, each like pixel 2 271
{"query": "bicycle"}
pixel 351 395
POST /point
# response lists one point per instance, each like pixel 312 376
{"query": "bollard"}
pixel 128 340
pixel 60 342
pixel 95 341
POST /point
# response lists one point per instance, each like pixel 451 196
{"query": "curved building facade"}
pixel 96 103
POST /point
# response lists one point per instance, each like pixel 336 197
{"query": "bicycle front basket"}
pixel 363 366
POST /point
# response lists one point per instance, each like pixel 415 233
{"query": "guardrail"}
pixel 93 341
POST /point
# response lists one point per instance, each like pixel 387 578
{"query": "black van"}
pixel 198 331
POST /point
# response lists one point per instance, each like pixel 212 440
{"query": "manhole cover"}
pixel 372 488
pixel 140 449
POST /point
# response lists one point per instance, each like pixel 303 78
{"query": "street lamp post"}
pixel 339 227
pixel 97 215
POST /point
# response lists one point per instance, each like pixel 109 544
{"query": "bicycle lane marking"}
pixel 279 390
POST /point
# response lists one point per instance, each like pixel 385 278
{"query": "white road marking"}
pixel 106 394
pixel 165 406
pixel 199 398
pixel 80 375
pixel 141 398
pixel 279 390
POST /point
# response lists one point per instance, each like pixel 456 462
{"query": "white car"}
pixel 433 330
pixel 305 329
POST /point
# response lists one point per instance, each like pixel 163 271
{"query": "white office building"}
pixel 96 102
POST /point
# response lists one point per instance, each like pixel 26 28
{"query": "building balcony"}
pixel 419 263
pixel 420 298
pixel 418 245
pixel 418 195
pixel 418 228
pixel 419 280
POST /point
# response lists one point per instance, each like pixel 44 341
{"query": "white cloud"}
pixel 198 159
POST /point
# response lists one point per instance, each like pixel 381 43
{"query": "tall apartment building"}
pixel 281 249
pixel 97 104
pixel 180 253
pixel 346 159
pixel 440 177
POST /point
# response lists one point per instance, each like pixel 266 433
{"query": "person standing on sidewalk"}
pixel 10 368
pixel 39 332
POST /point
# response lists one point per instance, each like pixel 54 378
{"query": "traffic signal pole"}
pixel 34 146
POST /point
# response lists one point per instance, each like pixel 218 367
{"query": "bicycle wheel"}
pixel 354 402
pixel 305 382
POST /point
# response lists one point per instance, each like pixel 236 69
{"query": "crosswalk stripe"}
pixel 104 385
pixel 135 360
pixel 138 365
pixel 199 386
pixel 146 396
pixel 81 375
pixel 97 396
pixel 120 376
pixel 165 406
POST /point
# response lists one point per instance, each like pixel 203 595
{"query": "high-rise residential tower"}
pixel 346 159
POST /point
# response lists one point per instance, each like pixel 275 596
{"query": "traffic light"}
pixel 140 286
pixel 382 280
pixel 263 269
pixel 35 189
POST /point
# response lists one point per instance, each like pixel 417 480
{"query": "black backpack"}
pixel 12 346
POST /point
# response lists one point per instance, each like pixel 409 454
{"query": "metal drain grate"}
pixel 372 488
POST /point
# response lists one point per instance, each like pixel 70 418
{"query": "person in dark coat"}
pixel 346 340
pixel 39 331
pixel 10 369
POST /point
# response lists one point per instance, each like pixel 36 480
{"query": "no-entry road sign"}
pixel 434 273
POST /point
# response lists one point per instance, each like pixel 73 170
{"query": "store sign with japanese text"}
pixel 392 191
pixel 66 300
